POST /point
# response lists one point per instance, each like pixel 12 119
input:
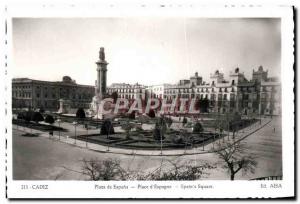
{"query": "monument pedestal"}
pixel 64 106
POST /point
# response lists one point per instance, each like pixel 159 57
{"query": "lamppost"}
pixel 219 136
pixel 161 140
pixel 214 139
pixel 75 124
pixel 87 134
pixel 228 125
pixel 58 121
pixel 108 133
pixel 97 103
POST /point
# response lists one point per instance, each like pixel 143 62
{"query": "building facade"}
pixel 128 91
pixel 260 95
pixel 36 94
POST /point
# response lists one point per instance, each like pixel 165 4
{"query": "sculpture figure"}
pixel 102 54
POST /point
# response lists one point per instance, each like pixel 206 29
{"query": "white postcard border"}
pixel 221 189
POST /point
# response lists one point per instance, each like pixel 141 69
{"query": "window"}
pixel 219 97
pixel 232 82
pixel 232 97
pixel 213 97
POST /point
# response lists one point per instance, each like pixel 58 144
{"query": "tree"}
pixel 197 127
pixel 37 117
pixel 127 126
pixel 151 113
pixel 235 160
pixel 49 119
pixel 107 128
pixel 197 104
pixel 80 113
pixel 132 115
pixel 204 105
pixel 234 121
pixel 42 110
pixel 235 117
pixel 169 122
pixel 114 96
pixel 28 116
pixel 184 121
pixel 104 170
pixel 159 129
pixel 179 172
pixel 21 116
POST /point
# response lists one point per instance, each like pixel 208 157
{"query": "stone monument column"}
pixel 101 75
pixel 100 87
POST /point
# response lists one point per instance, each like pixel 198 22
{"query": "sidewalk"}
pixel 208 148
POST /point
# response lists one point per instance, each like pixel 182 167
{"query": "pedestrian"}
pixel 274 129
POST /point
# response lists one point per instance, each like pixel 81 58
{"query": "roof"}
pixel 27 80
pixel 246 84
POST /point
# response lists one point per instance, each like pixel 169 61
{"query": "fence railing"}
pixel 268 178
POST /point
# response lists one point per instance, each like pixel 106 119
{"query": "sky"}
pixel 147 50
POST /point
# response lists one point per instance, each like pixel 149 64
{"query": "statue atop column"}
pixel 102 54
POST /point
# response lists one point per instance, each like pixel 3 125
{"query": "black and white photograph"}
pixel 151 103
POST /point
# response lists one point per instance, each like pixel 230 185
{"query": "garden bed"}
pixel 37 126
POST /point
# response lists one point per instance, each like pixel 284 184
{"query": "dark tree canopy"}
pixel 37 117
pixel 114 96
pixel 49 119
pixel 21 116
pixel 235 120
pixel 131 115
pixel 202 105
pixel 151 113
pixel 107 128
pixel 184 121
pixel 197 128
pixel 41 110
pixel 28 116
pixel 80 113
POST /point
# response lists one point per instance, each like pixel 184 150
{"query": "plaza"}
pixel 45 157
